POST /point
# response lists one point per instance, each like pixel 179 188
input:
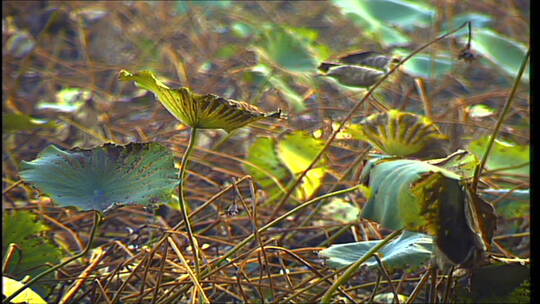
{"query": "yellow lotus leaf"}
pixel 206 111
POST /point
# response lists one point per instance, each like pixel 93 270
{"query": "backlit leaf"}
pixel 480 111
pixel 298 149
pixel 183 7
pixel 199 111
pixel 477 21
pixel 503 155
pixel 242 30
pixel 378 18
pixel 311 183
pixel 401 134
pixel 10 286
pixel 389 297
pixel 263 154
pixel 284 157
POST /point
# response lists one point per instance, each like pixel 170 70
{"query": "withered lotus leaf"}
pixel 203 111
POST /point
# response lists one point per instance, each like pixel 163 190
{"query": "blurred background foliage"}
pixel 61 61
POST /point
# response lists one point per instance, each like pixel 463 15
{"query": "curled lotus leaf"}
pixel 359 70
pixel 370 58
pixel 355 76
pixel 402 134
pixel 203 111
pixel 421 197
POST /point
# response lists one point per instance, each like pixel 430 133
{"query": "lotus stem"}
pixel 182 201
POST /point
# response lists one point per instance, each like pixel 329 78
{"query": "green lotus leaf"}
pixel 410 250
pixel 504 157
pixel 502 51
pixel 477 21
pixel 263 155
pixel 387 35
pixel 286 50
pixel 378 18
pixel 35 251
pixel 428 67
pixel 262 73
pixel 199 111
pixel 420 197
pixel 280 159
pixel 183 7
pixel 511 203
pixel 242 30
pixel 103 177
pixel 397 12
pixel 390 36
pixel 24 229
pixel 402 134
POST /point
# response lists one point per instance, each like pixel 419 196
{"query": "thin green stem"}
pixel 182 201
pixel 504 111
pixel 97 221
pixel 346 276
